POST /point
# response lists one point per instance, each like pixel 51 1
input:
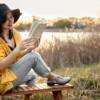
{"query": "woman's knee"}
pixel 35 54
pixel 32 55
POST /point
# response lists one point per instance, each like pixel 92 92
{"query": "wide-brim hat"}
pixel 15 12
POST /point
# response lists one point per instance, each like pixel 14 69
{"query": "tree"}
pixel 62 23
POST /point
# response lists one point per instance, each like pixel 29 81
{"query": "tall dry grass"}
pixel 71 52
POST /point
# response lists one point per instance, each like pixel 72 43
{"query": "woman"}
pixel 18 58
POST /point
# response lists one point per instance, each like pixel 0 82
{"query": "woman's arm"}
pixel 8 61
pixel 25 46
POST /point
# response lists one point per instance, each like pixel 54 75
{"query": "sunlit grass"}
pixel 85 79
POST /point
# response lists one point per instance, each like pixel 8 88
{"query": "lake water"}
pixel 59 35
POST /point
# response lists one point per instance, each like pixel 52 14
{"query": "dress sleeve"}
pixel 2 53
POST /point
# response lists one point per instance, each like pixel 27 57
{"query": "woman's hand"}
pixel 27 45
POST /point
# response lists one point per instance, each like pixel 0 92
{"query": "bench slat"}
pixel 39 88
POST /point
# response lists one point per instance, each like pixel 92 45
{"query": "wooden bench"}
pixel 28 91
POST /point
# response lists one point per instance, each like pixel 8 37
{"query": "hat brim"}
pixel 16 14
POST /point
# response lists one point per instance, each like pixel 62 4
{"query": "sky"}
pixel 56 8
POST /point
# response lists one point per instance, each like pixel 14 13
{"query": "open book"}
pixel 37 29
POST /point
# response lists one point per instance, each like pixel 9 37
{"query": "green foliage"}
pixel 62 23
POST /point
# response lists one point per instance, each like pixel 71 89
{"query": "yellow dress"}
pixel 7 77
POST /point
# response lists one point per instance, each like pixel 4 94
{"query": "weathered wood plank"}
pixel 39 88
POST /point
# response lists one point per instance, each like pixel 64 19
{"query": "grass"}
pixel 86 81
pixel 71 52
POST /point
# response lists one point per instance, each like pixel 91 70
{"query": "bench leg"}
pixel 27 96
pixel 57 95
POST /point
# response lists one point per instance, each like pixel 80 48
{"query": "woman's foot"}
pixel 58 80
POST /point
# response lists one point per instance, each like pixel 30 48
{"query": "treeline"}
pixel 67 24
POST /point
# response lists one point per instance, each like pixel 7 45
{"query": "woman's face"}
pixel 9 22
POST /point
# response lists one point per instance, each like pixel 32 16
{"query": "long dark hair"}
pixel 2 21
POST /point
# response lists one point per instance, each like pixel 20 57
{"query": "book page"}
pixel 37 29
